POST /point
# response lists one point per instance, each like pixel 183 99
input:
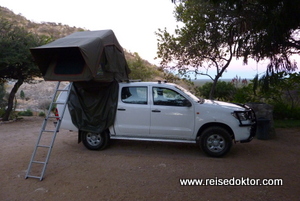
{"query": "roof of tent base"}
pixel 82 56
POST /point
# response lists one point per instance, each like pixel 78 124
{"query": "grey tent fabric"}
pixel 82 56
pixel 93 105
pixel 94 61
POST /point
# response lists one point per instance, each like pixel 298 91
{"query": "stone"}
pixel 264 112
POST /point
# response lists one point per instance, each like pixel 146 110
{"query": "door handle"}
pixel 155 110
pixel 121 109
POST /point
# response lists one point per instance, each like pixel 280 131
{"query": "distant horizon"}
pixel 221 79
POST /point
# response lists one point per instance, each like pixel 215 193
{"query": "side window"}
pixel 168 97
pixel 134 95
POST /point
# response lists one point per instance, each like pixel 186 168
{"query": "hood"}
pixel 224 105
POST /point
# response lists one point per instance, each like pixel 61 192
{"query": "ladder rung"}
pixel 62 89
pixel 56 117
pixel 39 162
pixel 31 176
pixel 44 146
pixel 59 103
pixel 49 131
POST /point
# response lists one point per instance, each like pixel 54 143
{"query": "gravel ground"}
pixel 131 170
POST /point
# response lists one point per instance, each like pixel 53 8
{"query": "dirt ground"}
pixel 132 170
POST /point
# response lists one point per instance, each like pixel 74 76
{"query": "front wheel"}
pixel 215 141
pixel 95 141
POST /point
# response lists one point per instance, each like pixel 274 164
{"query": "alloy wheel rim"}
pixel 215 143
pixel 93 139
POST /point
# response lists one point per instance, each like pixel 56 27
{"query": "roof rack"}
pixel 128 81
pixel 159 81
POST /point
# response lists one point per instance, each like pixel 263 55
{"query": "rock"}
pixel 264 111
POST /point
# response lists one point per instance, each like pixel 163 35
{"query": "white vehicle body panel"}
pixel 132 121
pixel 149 121
pixel 172 122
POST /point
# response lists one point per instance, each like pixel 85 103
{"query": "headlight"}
pixel 240 115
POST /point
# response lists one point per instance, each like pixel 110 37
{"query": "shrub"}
pixel 22 95
pixel 42 114
pixel 28 112
pixel 224 90
pixel 2 111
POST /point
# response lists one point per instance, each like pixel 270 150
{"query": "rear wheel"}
pixel 215 141
pixel 95 141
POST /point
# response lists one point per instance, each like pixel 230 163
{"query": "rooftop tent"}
pixel 82 56
pixel 94 61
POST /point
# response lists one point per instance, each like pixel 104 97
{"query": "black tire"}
pixel 215 141
pixel 95 141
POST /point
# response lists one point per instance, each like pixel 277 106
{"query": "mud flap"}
pixel 79 137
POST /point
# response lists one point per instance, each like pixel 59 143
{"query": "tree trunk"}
pixel 11 99
pixel 213 88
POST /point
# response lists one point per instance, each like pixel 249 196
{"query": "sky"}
pixel 134 23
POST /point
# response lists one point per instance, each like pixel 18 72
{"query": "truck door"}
pixel 172 115
pixel 133 112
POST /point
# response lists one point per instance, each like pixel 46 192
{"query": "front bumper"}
pixel 252 119
pixel 252 134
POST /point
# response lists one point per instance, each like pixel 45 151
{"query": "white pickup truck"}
pixel 159 111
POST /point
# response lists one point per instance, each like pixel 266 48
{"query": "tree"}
pixel 203 42
pixel 2 95
pixel 263 30
pixel 140 69
pixel 16 62
pixel 269 29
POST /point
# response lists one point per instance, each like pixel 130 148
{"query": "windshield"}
pixel 196 99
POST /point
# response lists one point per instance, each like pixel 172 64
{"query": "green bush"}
pixel 28 112
pixel 287 123
pixel 2 111
pixel 284 111
pixel 42 114
pixel 224 90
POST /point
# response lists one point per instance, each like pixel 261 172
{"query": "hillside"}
pixel 34 100
pixel 50 29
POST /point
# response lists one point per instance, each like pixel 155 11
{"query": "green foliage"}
pixel 22 95
pixel 224 90
pixel 2 111
pixel 244 94
pixel 282 90
pixel 13 115
pixel 244 91
pixel 42 114
pixel 140 69
pixel 203 44
pixel 287 123
pixel 3 102
pixel 170 77
pixel 53 107
pixel 261 29
pixel 16 61
pixel 28 112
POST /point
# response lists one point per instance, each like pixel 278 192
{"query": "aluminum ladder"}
pixel 42 151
